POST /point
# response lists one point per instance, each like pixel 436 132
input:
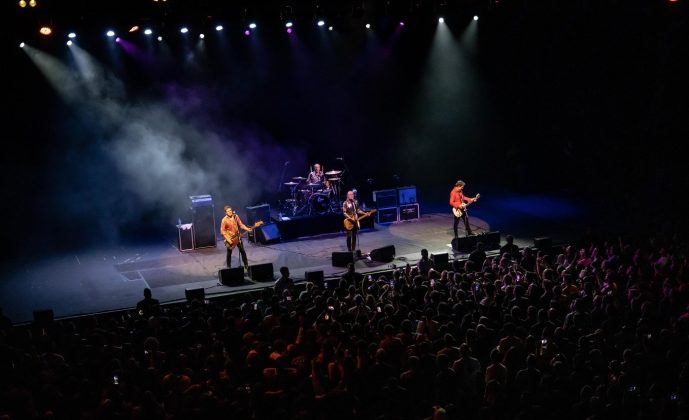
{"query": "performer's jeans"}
pixel 464 216
pixel 242 253
pixel 351 239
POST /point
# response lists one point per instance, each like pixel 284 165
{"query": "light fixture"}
pixel 441 20
pixel 219 28
pixel 160 38
pixel 148 31
pixel 69 43
pixel 184 30
pixel 134 28
pixel 252 25
pixel 475 17
pixel 321 23
pixel 32 3
pixel 71 35
pixel 45 30
pixel 22 3
pixel 22 45
pixel 289 25
pixel 110 33
pixel 368 26
pixel 202 36
pixel 330 28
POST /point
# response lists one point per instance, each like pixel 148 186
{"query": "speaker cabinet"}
pixel 268 233
pixel 385 198
pixel 409 212
pixel 185 235
pixel 384 254
pixel 261 272
pixel 387 215
pixel 341 259
pixel 315 277
pixel 256 213
pixel 464 243
pixel 406 195
pixel 440 261
pixel 491 240
pixel 198 293
pixel 203 219
pixel 231 276
pixel 543 243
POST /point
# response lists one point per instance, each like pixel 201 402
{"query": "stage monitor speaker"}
pixel 315 277
pixel 341 259
pixel 261 272
pixel 440 261
pixel 268 233
pixel 491 240
pixel 388 215
pixel 406 195
pixel 385 198
pixel 43 317
pixel 203 219
pixel 464 243
pixel 384 254
pixel 231 276
pixel 543 244
pixel 198 293
pixel 409 212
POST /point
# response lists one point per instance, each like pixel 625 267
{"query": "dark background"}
pixel 584 100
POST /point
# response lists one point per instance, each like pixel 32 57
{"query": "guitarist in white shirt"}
pixel 459 202
pixel 229 229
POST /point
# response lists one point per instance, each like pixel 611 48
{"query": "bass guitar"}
pixel 459 211
pixel 349 225
pixel 233 240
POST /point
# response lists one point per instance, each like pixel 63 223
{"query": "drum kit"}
pixel 308 199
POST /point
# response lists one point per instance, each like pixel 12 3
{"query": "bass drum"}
pixel 321 203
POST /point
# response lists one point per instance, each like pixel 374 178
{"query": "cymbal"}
pixel 333 179
pixel 315 184
pixel 333 172
pixel 299 178
pixel 291 183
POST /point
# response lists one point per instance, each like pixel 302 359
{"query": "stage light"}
pixel 184 30
pixel 219 28
pixel 475 17
pixel 289 30
pixel 110 33
pixel 45 30
pixel 368 26
pixel 133 29
pixel 32 3
pixel 252 25
pixel 441 20
pixel 22 45
pixel 118 39
pixel 69 43
pixel 148 31
pixel 202 36
pixel 247 32
pixel 330 28
pixel 321 23
pixel 401 23
pixel 288 25
pixel 160 38
pixel 71 35
pixel 22 3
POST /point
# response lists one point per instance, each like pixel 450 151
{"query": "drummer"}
pixel 316 176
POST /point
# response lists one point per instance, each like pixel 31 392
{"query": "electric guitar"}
pixel 233 240
pixel 349 225
pixel 459 211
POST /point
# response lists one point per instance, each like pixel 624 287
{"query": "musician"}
pixel 316 176
pixel 229 229
pixel 351 211
pixel 459 200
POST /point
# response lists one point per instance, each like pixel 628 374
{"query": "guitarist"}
pixel 351 211
pixel 458 201
pixel 229 229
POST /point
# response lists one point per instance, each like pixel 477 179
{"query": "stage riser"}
pixel 317 225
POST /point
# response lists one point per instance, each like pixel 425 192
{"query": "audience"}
pixel 595 331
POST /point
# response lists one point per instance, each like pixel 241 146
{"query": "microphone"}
pixel 339 159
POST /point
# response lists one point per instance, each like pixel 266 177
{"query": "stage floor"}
pixel 113 278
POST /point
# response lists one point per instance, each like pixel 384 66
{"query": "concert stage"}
pixel 112 278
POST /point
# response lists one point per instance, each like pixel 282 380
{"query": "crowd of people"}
pixel 588 331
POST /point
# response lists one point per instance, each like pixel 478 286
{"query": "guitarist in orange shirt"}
pixel 352 214
pixel 459 201
pixel 229 229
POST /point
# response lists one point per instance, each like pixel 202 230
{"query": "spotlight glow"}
pixel 288 25
pixel 32 3
pixel 133 29
pixel 441 20
pixel 401 23
pixel 22 3
pixel 252 25
pixel 247 32
pixel 368 26
pixel 71 35
pixel 22 45
pixel 110 34
pixel 202 36
pixel 321 23
pixel 160 38
pixel 148 32
pixel 69 43
pixel 475 17
pixel 289 30
pixel 219 28
pixel 118 39
pixel 330 28
pixel 184 30
pixel 45 30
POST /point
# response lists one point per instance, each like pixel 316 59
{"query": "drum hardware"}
pixel 333 172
